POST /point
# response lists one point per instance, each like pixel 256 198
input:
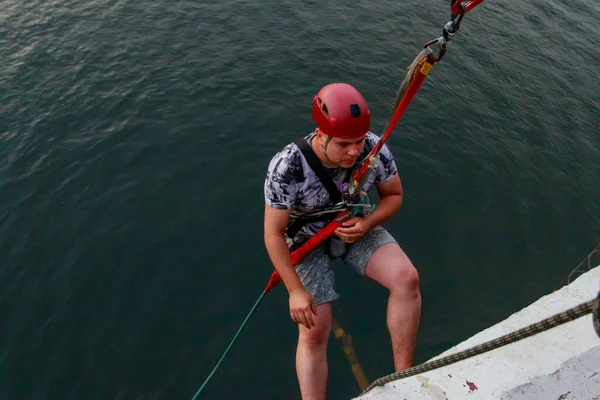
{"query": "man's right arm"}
pixel 274 230
pixel 302 305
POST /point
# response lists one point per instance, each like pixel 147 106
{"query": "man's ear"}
pixel 320 137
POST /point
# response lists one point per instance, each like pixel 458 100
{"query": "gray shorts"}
pixel 316 272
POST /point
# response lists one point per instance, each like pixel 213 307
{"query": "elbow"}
pixel 396 200
pixel 271 235
pixel 267 237
pixel 394 197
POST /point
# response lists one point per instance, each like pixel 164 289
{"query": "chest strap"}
pixel 334 193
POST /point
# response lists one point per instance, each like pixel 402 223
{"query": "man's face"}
pixel 343 152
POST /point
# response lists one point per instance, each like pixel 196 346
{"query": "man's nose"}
pixel 353 150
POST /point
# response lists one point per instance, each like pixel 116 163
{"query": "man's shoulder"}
pixel 371 141
pixel 287 162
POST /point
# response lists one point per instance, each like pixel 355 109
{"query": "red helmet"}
pixel 341 111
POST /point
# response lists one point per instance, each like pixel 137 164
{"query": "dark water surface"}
pixel 134 140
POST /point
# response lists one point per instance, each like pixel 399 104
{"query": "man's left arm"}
pixel 389 188
pixel 390 201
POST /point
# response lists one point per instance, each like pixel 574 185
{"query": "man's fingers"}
pixel 309 318
pixel 343 233
pixel 350 229
pixel 349 238
pixel 351 221
pixel 298 317
pixel 302 319
pixel 313 307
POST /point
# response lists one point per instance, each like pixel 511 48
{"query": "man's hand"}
pixel 302 306
pixel 353 229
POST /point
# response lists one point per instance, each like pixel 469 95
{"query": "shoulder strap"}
pixel 334 193
pixel 319 169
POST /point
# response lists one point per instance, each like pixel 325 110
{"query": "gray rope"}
pixel 543 325
pixel 596 315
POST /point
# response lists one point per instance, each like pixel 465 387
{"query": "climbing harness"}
pixel 541 326
pixel 357 204
pixel 354 200
pixel 335 196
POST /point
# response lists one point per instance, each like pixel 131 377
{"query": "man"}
pixel 292 188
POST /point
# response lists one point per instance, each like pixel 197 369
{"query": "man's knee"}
pixel 316 337
pixel 406 279
pixel 391 267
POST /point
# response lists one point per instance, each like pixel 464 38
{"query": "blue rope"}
pixel 354 211
pixel 231 344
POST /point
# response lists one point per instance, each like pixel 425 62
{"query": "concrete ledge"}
pixel 561 363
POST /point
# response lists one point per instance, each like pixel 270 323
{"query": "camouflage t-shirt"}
pixel 291 182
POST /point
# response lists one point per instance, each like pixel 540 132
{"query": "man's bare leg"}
pixel 392 268
pixel 311 355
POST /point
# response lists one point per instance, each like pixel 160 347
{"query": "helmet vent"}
pixel 354 110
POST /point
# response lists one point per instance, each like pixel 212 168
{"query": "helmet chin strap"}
pixel 325 147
